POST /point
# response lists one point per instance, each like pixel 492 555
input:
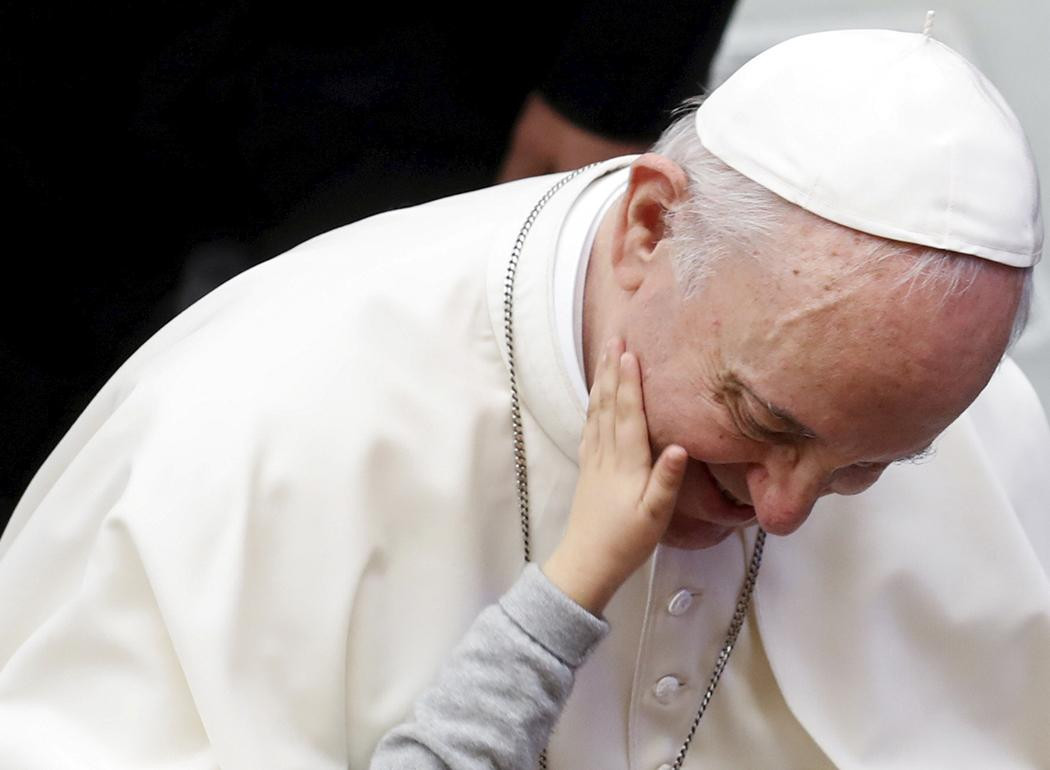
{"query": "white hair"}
pixel 726 214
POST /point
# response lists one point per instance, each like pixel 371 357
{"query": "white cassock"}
pixel 262 537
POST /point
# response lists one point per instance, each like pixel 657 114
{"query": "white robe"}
pixel 262 537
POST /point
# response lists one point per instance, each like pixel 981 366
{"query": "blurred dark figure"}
pixel 151 151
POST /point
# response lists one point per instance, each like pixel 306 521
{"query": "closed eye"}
pixel 749 426
pixel 915 457
pixel 924 454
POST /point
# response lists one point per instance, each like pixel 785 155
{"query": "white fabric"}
pixel 890 133
pixel 570 269
pixel 918 597
pixel 259 541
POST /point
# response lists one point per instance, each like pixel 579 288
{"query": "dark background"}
pixel 150 151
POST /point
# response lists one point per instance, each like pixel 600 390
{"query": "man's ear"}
pixel 655 185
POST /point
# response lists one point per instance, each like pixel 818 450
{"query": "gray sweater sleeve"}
pixel 496 700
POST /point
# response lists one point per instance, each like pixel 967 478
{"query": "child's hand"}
pixel 623 502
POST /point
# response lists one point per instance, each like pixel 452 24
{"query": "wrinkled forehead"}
pixel 848 351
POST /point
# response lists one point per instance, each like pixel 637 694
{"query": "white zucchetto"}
pixel 890 133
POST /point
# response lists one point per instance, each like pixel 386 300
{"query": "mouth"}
pixel 714 514
pixel 716 504
pixel 727 494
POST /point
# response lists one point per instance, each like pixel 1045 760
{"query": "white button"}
pixel 680 602
pixel 665 688
pixel 664 766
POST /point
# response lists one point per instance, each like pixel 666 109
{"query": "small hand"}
pixel 623 501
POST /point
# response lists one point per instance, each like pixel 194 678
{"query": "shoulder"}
pixel 317 337
pixel 1011 427
pixel 1010 420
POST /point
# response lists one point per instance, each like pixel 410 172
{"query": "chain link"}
pixel 522 480
pixel 521 473
pixel 739 615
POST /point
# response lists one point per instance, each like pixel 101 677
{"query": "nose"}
pixel 784 488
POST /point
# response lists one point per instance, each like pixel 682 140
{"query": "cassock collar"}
pixel 548 378
pixel 570 270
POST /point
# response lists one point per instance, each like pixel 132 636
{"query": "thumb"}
pixel 664 482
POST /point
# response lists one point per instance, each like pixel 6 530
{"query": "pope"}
pixel 265 533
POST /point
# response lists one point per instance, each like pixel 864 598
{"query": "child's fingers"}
pixel 609 376
pixel 589 442
pixel 661 492
pixel 632 434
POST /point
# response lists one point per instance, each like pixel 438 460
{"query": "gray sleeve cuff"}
pixel 560 625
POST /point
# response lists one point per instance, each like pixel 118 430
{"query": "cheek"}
pixel 678 412
pixel 702 429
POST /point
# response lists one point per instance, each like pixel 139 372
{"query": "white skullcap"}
pixel 890 133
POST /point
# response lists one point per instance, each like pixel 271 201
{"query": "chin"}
pixel 693 534
pixel 704 516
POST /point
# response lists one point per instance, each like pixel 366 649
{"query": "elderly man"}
pixel 262 537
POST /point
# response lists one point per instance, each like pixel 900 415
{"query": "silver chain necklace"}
pixel 522 480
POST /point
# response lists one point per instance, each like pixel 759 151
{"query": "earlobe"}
pixel 656 185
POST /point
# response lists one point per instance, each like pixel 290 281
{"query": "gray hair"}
pixel 726 214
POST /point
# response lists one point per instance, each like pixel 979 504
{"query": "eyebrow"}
pixel 733 381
